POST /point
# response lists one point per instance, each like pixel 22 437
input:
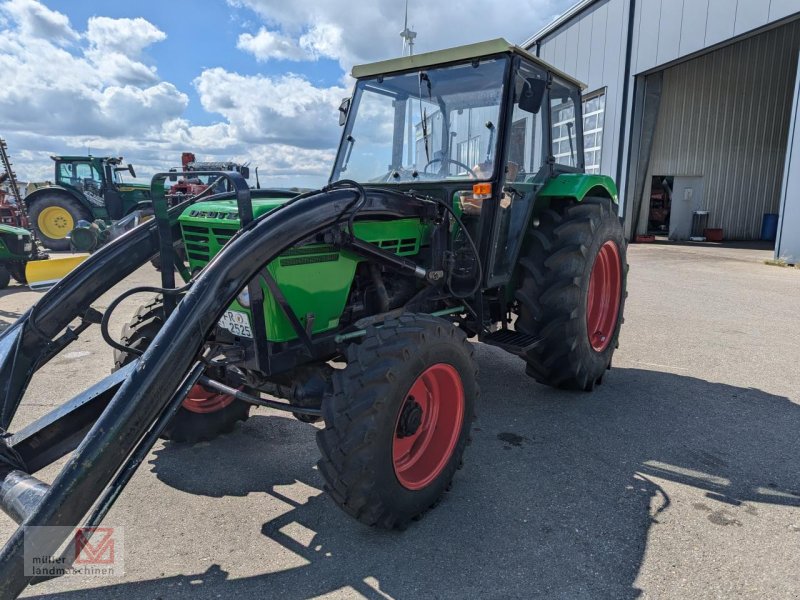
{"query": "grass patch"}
pixel 779 262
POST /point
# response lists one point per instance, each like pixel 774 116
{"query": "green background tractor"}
pixel 16 249
pixel 464 213
pixel 86 188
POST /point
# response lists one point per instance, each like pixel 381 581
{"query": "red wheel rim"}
pixel 605 287
pixel 428 426
pixel 200 400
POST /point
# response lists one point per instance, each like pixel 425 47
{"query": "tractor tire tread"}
pixel 360 397
pixel 553 280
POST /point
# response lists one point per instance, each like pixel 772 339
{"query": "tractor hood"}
pixel 10 229
pixel 127 187
pixel 226 212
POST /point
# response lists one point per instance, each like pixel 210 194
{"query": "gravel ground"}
pixel 677 478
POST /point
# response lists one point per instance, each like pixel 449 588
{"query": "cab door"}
pixel 526 170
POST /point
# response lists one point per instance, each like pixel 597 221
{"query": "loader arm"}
pixel 128 425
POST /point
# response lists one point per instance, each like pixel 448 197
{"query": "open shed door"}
pixel 787 245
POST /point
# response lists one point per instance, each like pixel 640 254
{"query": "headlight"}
pixel 244 298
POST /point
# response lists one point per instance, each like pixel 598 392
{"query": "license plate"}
pixel 237 323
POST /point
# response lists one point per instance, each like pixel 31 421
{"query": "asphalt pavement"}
pixel 677 478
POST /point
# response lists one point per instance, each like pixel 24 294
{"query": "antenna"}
pixel 408 36
pixel 408 43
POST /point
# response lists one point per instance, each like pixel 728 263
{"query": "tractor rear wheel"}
pixel 399 420
pixel 54 216
pixel 572 293
pixel 205 413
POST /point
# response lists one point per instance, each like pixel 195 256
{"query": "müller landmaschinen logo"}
pixel 88 551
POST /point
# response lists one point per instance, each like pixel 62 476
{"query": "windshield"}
pixel 432 125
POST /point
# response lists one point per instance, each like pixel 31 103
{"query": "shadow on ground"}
pixel 7 317
pixel 556 499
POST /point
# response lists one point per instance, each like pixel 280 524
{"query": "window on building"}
pixel 468 152
pixel 516 147
pixel 594 108
pixel 562 114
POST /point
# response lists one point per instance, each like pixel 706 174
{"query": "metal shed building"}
pixel 702 94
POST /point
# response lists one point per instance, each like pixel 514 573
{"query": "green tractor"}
pixel 16 249
pixel 490 228
pixel 86 188
pixel 458 210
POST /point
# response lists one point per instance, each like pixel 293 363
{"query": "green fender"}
pixel 59 189
pixel 580 185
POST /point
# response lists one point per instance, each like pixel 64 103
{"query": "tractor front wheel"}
pixel 54 216
pixel 17 271
pixel 204 414
pixel 572 293
pixel 399 420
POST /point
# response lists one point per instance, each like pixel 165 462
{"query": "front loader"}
pixel 457 210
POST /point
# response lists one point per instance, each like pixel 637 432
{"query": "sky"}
pixel 255 81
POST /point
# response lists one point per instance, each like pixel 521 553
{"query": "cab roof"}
pixel 87 158
pixel 457 54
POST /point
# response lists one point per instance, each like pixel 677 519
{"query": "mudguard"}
pixel 60 189
pixel 579 186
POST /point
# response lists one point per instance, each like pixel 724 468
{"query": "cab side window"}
pixel 86 171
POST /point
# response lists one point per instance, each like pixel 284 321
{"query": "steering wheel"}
pixel 450 160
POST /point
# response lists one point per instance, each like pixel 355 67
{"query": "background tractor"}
pixel 86 188
pixel 18 246
pixel 191 184
pixel 16 249
pixel 89 236
pixel 457 210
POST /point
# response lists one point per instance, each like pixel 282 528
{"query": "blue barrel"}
pixel 769 227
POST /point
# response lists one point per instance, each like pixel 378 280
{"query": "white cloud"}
pixel 126 36
pixel 73 90
pixel 271 44
pixel 322 40
pixel 82 91
pixel 286 109
pixel 37 21
pixel 338 30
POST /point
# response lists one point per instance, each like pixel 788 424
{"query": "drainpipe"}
pixel 625 87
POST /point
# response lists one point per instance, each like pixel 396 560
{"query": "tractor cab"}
pixel 97 179
pixel 484 126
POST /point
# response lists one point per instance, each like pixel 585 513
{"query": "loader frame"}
pixel 111 427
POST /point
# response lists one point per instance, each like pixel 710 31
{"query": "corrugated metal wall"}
pixel 666 30
pixel 591 46
pixel 724 116
pixel 592 49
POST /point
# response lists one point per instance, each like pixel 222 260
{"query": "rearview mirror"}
pixel 344 107
pixel 245 172
pixel 132 172
pixel 530 99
